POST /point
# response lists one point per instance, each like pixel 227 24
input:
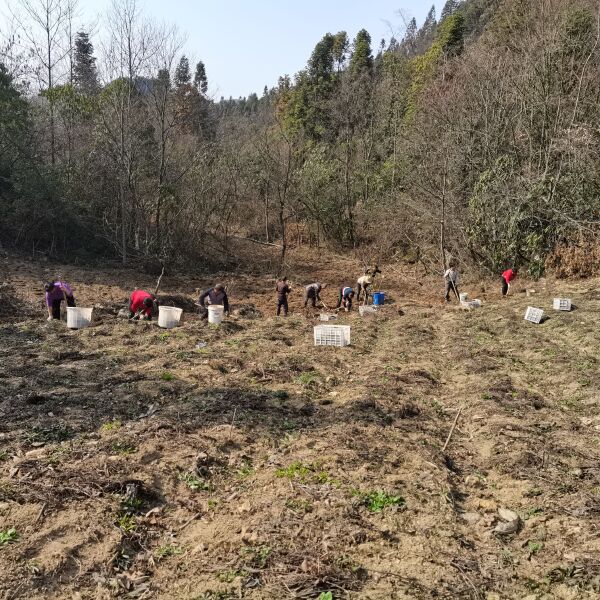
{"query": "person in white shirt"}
pixel 451 276
pixel 365 282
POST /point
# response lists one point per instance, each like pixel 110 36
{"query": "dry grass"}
pixel 261 467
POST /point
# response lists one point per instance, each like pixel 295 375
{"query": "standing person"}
pixel 345 298
pixel 56 292
pixel 283 289
pixel 365 282
pixel 141 304
pixel 216 296
pixel 451 276
pixel 507 277
pixel 312 292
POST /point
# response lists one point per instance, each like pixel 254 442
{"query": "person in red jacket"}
pixel 507 277
pixel 141 304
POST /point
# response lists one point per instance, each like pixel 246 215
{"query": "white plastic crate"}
pixel 326 317
pixel 332 335
pixel 562 304
pixel 471 304
pixel 534 315
pixel 367 310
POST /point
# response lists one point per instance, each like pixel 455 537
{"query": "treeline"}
pixel 475 136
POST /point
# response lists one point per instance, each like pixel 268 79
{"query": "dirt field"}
pixel 134 464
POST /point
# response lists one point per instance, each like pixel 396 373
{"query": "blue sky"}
pixel 247 44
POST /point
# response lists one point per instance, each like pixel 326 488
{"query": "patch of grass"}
pixel 111 426
pixel 123 448
pixel 230 576
pixel 212 504
pixel 194 482
pixel 305 473
pixel 57 455
pixel 326 596
pixel 166 376
pixel 3 455
pixel 57 433
pixel 379 500
pixel 8 536
pixel 307 379
pixel 245 471
pixel 256 556
pixel 301 505
pixel 127 523
pixel 168 550
pixel 532 512
pixel 534 547
pixel 163 337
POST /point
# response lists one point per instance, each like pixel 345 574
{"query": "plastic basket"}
pixel 78 318
pixel 534 315
pixel 464 297
pixel 562 304
pixel 169 316
pixel 367 310
pixel 332 335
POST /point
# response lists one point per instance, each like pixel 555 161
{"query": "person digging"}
pixel 312 294
pixel 56 292
pixel 451 277
pixel 141 305
pixel 345 298
pixel 282 288
pixel 507 277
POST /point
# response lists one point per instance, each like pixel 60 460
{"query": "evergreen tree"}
pixel 449 8
pixel 182 72
pixel 409 43
pixel 362 57
pixel 200 79
pixel 426 34
pixel 320 64
pixel 85 74
pixel 340 49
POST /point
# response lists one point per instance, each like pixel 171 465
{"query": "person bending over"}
pixel 56 292
pixel 141 304
pixel 507 277
pixel 312 292
pixel 345 298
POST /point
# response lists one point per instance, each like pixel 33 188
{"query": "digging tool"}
pixel 455 290
pixel 452 429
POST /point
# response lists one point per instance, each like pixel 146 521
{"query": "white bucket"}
pixel 78 318
pixel 215 314
pixel 168 316
pixel 464 297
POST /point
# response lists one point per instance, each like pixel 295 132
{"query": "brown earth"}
pixel 135 465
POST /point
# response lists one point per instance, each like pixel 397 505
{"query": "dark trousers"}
pixel 56 306
pixel 282 303
pixel 312 297
pixel 364 289
pixel 346 302
pixel 504 287
pixel 450 287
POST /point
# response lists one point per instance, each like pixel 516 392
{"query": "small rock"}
pixel 511 524
pixel 508 515
pixel 471 517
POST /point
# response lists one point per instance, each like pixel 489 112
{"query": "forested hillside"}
pixel 475 135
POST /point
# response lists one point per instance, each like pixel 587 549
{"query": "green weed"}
pixel 325 596
pixel 379 500
pixel 245 471
pixel 230 576
pixel 166 376
pixel 308 378
pixel 256 556
pixel 123 448
pixel 127 523
pixel 305 473
pixel 168 550
pixel 534 547
pixel 111 426
pixel 194 482
pixel 8 536
pixel 303 506
pixel 58 433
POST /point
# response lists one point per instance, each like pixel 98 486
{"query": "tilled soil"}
pixel 135 464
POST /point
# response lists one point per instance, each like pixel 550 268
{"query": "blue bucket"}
pixel 378 298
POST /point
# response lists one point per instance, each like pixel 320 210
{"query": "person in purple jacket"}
pixel 56 292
